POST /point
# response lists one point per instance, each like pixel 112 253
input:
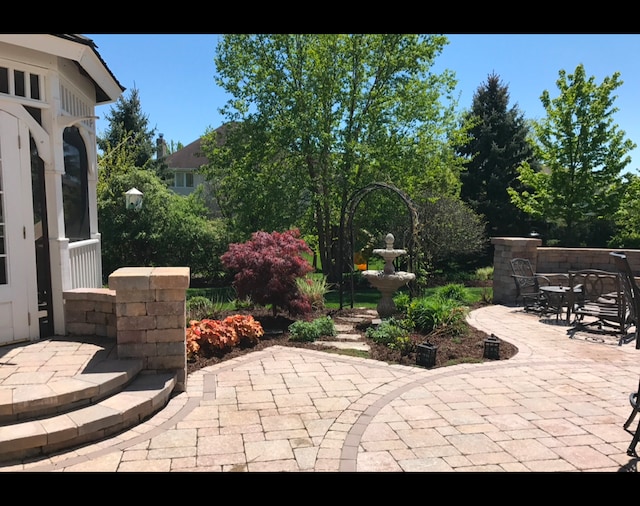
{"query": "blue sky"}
pixel 174 74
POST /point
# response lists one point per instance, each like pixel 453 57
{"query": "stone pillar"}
pixel 506 248
pixel 151 317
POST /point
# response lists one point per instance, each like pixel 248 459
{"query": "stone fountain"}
pixel 388 280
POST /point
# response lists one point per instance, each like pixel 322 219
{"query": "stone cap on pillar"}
pixel 516 240
pixel 149 278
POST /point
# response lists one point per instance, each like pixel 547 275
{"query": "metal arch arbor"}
pixel 346 241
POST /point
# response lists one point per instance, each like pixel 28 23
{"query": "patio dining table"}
pixel 555 297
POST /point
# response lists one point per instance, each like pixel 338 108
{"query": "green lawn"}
pixel 362 297
pixel 369 298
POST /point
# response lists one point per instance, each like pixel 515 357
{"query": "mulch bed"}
pixel 450 350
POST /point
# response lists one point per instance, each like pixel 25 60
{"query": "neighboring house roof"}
pixel 191 157
pixel 188 157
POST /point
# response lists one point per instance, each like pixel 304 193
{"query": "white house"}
pixel 50 85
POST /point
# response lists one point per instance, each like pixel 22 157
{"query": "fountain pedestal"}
pixel 388 280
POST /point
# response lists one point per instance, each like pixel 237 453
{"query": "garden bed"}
pixel 451 350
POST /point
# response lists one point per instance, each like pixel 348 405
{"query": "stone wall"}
pixel 548 261
pixel 144 309
pixel 90 311
pixel 573 259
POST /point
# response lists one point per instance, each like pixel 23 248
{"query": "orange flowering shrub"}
pixel 216 336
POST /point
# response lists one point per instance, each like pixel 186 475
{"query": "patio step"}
pixel 97 381
pixel 88 407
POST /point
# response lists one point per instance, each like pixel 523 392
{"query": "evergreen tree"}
pixel 127 124
pixel 497 147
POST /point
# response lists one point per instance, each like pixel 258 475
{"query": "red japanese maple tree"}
pixel 267 268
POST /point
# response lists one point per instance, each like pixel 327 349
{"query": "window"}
pixel 21 83
pixel 35 86
pixel 74 186
pixel 4 80
pixel 18 82
pixel 183 179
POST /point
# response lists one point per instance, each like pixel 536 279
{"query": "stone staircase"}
pixel 105 397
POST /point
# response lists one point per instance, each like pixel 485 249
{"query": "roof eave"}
pixel 76 48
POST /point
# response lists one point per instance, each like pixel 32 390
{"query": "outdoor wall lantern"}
pixel 133 199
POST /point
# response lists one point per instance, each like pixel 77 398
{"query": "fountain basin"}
pixel 389 255
pixel 387 285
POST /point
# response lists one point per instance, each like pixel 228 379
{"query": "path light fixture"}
pixel 492 347
pixel 426 354
pixel 133 199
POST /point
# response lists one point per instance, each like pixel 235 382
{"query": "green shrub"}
pixel 402 300
pixel 430 313
pixel 455 292
pixel 404 345
pixel 484 273
pixel 243 303
pixel 199 308
pixel 325 326
pixel 388 332
pixel 310 331
pixel 314 288
pixel 455 323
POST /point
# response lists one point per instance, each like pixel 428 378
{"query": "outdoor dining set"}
pixel 593 300
pixel 590 300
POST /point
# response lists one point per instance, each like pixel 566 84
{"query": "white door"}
pixel 18 285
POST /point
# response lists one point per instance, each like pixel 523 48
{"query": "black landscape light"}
pixel 492 347
pixel 426 354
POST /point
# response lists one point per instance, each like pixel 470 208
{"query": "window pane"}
pixel 75 193
pixel 18 77
pixel 4 80
pixel 179 179
pixel 3 247
pixel 35 86
pixel 189 181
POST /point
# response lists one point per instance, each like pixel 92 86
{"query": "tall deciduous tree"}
pixel 315 117
pixel 583 153
pixel 498 146
pixel 627 217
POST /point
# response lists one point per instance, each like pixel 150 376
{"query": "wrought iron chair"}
pixel 633 400
pixel 601 305
pixel 631 291
pixel 528 285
